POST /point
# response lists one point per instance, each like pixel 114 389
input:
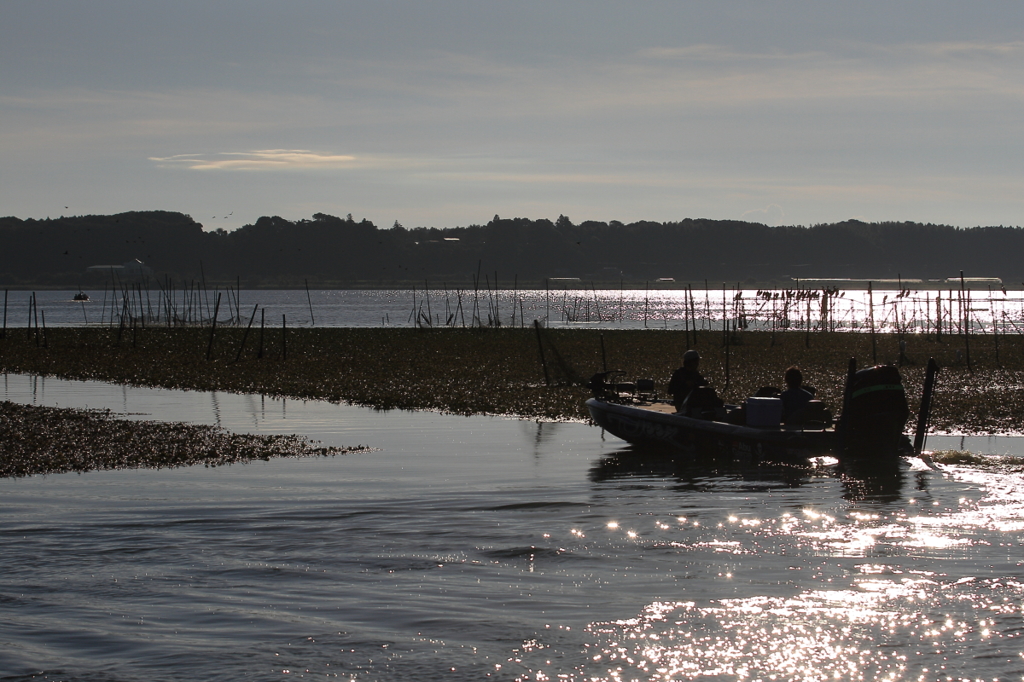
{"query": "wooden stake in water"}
pixel 547 301
pixel 807 330
pixel 995 330
pixel 426 292
pixel 202 275
pixel 213 327
pixel 263 324
pixel 35 314
pixel 725 327
pixel 686 321
pixel 245 336
pixel 707 306
pixel 647 293
pixel 871 319
pixel 926 406
pixel 543 362
pixel 967 322
pixel 312 322
pixel 693 313
pixel 725 319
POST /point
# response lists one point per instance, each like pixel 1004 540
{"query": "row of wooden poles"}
pixel 964 329
pixel 787 310
pixel 456 301
pixel 127 322
pixel 189 305
pixel 905 312
pixel 135 310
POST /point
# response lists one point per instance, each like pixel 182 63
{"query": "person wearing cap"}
pixel 795 398
pixel 685 379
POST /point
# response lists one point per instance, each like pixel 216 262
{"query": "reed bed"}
pixel 50 440
pixel 500 370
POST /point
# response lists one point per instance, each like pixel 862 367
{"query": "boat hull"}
pixel 660 426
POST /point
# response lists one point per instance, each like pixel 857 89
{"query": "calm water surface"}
pixel 483 548
pixel 577 307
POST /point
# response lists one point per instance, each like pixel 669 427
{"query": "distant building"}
pixel 975 280
pixel 128 270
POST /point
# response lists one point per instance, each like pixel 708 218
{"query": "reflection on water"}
pixel 691 473
pixel 877 631
pixel 483 548
pixel 868 592
pixel 877 481
pixel 582 308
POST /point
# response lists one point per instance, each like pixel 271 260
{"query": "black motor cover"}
pixel 878 404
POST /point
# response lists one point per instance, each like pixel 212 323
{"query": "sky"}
pixel 447 113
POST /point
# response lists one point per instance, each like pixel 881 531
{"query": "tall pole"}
pixel 926 406
pixel 312 321
pixel 213 327
pixel 871 319
pixel 967 322
pixel 540 345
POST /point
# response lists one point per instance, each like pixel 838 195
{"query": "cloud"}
pixel 259 160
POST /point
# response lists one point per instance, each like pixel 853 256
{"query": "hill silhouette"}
pixel 328 250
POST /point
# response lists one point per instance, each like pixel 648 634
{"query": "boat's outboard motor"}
pixel 876 410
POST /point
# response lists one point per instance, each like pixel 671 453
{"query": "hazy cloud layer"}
pixel 804 113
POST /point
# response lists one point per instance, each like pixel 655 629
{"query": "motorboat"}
pixel 870 426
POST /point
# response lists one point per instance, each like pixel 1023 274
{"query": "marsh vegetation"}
pixel 51 440
pixel 536 374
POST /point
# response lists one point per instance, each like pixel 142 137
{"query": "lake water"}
pixel 578 307
pixel 486 548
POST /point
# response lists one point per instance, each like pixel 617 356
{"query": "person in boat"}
pixel 690 391
pixel 795 398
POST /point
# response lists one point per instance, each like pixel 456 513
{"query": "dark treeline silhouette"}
pixel 328 250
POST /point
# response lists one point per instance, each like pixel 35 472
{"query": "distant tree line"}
pixel 327 250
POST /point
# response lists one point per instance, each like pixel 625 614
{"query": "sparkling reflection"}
pixel 894 615
pixel 879 630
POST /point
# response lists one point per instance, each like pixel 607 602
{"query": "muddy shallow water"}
pixel 475 548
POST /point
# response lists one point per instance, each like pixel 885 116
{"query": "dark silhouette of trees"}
pixel 341 251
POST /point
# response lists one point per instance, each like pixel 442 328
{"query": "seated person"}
pixel 686 378
pixel 684 382
pixel 795 398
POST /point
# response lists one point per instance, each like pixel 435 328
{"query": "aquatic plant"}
pixel 50 440
pixel 499 370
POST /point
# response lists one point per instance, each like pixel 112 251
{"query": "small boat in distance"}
pixel 81 296
pixel 870 428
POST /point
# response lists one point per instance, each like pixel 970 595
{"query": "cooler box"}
pixel 764 411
